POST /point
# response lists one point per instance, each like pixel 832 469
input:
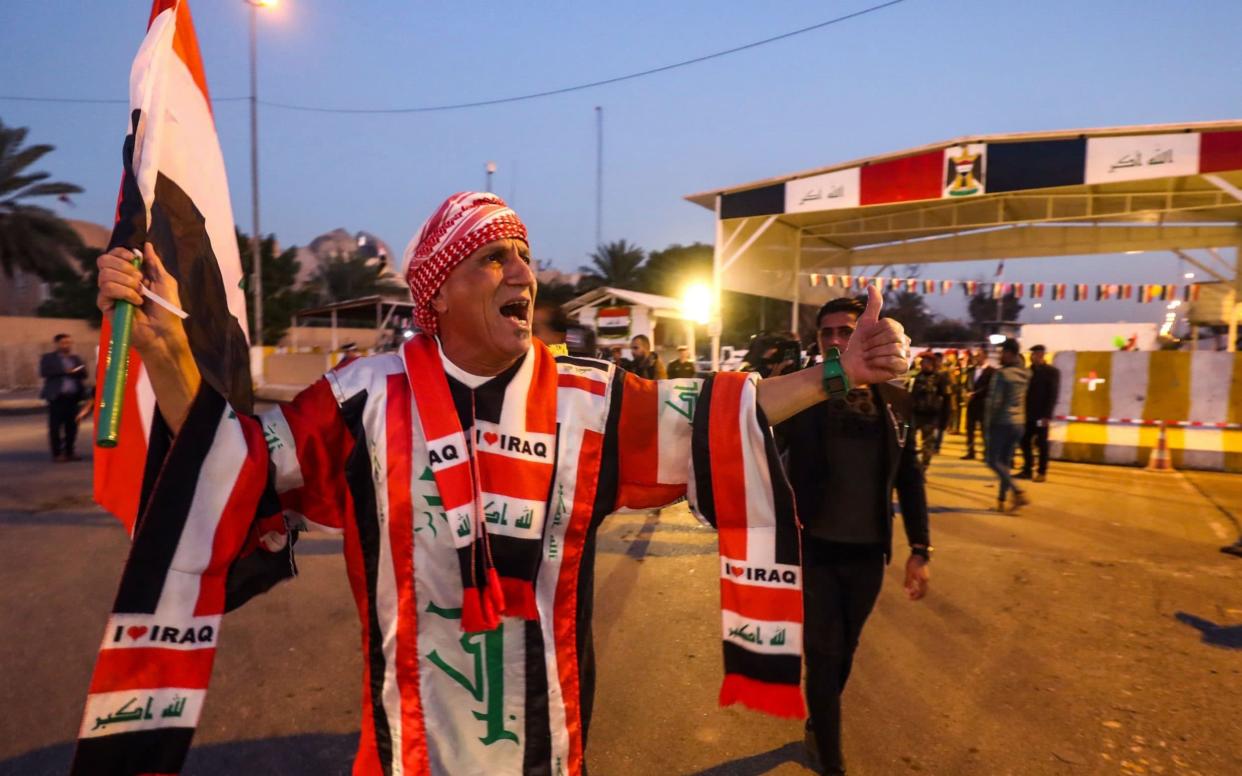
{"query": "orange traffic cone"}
pixel 1160 460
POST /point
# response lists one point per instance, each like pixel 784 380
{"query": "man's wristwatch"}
pixel 924 551
pixel 836 384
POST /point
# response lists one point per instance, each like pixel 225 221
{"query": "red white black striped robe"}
pixel 348 456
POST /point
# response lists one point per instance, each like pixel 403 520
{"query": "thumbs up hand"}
pixel 879 349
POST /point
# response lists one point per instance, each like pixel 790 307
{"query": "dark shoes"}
pixel 968 457
pixel 813 760
pixel 1022 475
pixel 1232 549
pixel 1039 477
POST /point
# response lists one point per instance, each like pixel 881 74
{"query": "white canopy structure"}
pixel 1066 193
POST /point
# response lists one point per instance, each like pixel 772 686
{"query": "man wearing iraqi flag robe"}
pixel 468 473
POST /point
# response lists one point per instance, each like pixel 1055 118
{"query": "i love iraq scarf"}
pixel 494 486
pixel 154 663
pixel 738 485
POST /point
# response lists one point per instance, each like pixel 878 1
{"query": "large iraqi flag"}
pixel 174 194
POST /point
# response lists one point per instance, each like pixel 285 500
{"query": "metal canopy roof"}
pixel 1073 192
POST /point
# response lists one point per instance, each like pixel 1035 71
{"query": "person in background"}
pixel 844 458
pixel 64 387
pixel 953 370
pixel 646 362
pixel 946 390
pixel 1004 418
pixel 930 395
pixel 976 378
pixel 683 366
pixel 617 356
pixel 1041 402
pixel 550 323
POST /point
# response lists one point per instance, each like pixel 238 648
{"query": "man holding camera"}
pixel 844 458
pixel 64 388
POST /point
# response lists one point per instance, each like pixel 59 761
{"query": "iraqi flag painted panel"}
pixel 902 180
pixel 1036 165
pixel 829 191
pixel 1220 151
pixel 965 170
pixel 1141 157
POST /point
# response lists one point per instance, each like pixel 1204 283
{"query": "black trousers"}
pixel 840 586
pixel 1039 435
pixel 928 429
pixel 62 424
pixel 974 420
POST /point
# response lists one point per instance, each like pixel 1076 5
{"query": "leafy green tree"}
pixel 341 278
pixel 73 289
pixel 281 297
pixel 910 310
pixel 948 331
pixel 669 271
pixel 982 310
pixel 616 264
pixel 32 238
pixel 557 293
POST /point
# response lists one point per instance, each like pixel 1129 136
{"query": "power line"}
pixel 520 97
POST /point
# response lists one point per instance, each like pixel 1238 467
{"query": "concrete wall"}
pixel 1197 394
pixel 316 337
pixel 23 339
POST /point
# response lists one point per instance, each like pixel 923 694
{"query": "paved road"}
pixel 1100 632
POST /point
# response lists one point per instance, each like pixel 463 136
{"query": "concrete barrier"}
pixel 1112 404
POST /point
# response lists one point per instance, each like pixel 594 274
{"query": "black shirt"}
pixel 837 466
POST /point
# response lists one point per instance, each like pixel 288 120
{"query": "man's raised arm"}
pixel 158 335
pixel 878 352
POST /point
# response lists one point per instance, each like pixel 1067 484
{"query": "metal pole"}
pixel 797 286
pixel 716 325
pixel 599 175
pixel 256 336
pixel 491 168
pixel 1232 345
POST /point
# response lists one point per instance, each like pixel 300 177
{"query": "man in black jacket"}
pixel 844 458
pixel 976 377
pixel 64 386
pixel 1041 402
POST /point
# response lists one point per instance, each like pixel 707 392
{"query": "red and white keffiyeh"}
pixel 461 225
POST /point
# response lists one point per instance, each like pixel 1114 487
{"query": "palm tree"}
pixel 615 264
pixel 341 278
pixel 32 238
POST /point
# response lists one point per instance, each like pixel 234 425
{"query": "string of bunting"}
pixel 1077 292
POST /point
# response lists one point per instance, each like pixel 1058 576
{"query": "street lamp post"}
pixel 256 261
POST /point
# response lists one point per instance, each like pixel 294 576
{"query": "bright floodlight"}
pixel 697 303
pixel 1057 317
pixel 1189 275
pixel 996 339
pixel 1038 305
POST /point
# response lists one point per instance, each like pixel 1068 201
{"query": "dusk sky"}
pixel 914 73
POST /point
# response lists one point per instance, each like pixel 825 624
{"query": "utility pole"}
pixel 491 170
pixel 256 337
pixel 599 175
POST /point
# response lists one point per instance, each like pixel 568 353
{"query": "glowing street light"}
pixel 696 303
pixel 1058 317
pixel 1038 305
pixel 1189 276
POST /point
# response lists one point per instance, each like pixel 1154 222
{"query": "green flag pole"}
pixel 116 370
